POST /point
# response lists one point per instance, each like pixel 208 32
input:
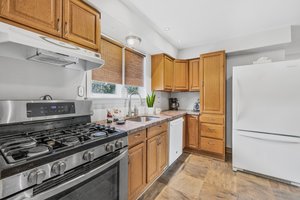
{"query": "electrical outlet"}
pixel 80 91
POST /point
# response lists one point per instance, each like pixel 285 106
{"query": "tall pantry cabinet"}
pixel 212 101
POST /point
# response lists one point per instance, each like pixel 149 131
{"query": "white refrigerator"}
pixel 266 119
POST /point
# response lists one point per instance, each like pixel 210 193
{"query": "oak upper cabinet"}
pixel 81 24
pixel 42 15
pixel 194 75
pixel 162 72
pixel 192 131
pixel 136 170
pixel 181 75
pixel 212 70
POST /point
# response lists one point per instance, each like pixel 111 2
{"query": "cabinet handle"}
pixel 66 27
pixel 211 130
pixel 137 135
pixel 58 24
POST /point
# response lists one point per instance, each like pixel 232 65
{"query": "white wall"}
pixel 21 79
pixel 118 21
pixel 260 40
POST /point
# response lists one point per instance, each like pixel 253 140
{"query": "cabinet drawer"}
pixel 212 131
pixel 214 119
pixel 136 138
pixel 212 145
pixel 155 130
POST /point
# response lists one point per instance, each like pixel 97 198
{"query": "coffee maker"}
pixel 173 104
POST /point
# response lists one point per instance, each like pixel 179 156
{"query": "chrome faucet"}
pixel 129 104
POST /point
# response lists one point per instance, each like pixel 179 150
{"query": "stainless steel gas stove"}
pixel 51 150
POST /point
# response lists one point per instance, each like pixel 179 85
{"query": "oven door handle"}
pixel 62 187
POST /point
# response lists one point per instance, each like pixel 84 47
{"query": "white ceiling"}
pixel 199 22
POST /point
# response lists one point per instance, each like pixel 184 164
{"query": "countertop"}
pixel 165 116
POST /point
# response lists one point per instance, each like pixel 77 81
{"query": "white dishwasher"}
pixel 175 139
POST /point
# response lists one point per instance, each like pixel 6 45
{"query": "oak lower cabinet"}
pixel 147 158
pixel 137 170
pixel 181 75
pixel 42 15
pixel 162 72
pixel 137 164
pixel 157 156
pixel 192 130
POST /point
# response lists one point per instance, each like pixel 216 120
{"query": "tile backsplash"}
pixel 186 99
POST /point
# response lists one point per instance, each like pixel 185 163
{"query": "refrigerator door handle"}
pixel 270 137
pixel 237 92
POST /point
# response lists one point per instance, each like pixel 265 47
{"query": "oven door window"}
pixel 104 186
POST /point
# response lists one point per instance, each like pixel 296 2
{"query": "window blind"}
pixel 111 53
pixel 134 68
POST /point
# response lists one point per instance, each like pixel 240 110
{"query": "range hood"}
pixel 44 49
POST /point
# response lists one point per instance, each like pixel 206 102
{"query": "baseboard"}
pixel 228 151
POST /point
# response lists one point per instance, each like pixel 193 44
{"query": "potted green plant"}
pixel 150 99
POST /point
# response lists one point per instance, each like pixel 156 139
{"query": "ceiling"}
pixel 188 23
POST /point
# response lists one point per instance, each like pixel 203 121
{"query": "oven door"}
pixel 105 178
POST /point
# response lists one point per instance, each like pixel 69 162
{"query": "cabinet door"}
pixel 212 70
pixel 192 131
pixel 162 151
pixel 152 159
pixel 81 24
pixel 136 170
pixel 168 73
pixel 181 75
pixel 194 73
pixel 42 15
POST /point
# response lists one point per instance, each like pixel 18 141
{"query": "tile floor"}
pixel 195 177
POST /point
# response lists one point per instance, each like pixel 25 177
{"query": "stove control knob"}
pixel 88 156
pixel 110 148
pixel 58 168
pixel 119 144
pixel 36 176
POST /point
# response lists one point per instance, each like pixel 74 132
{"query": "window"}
pixel 118 77
pixel 103 88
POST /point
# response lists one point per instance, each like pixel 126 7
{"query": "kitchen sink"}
pixel 142 118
